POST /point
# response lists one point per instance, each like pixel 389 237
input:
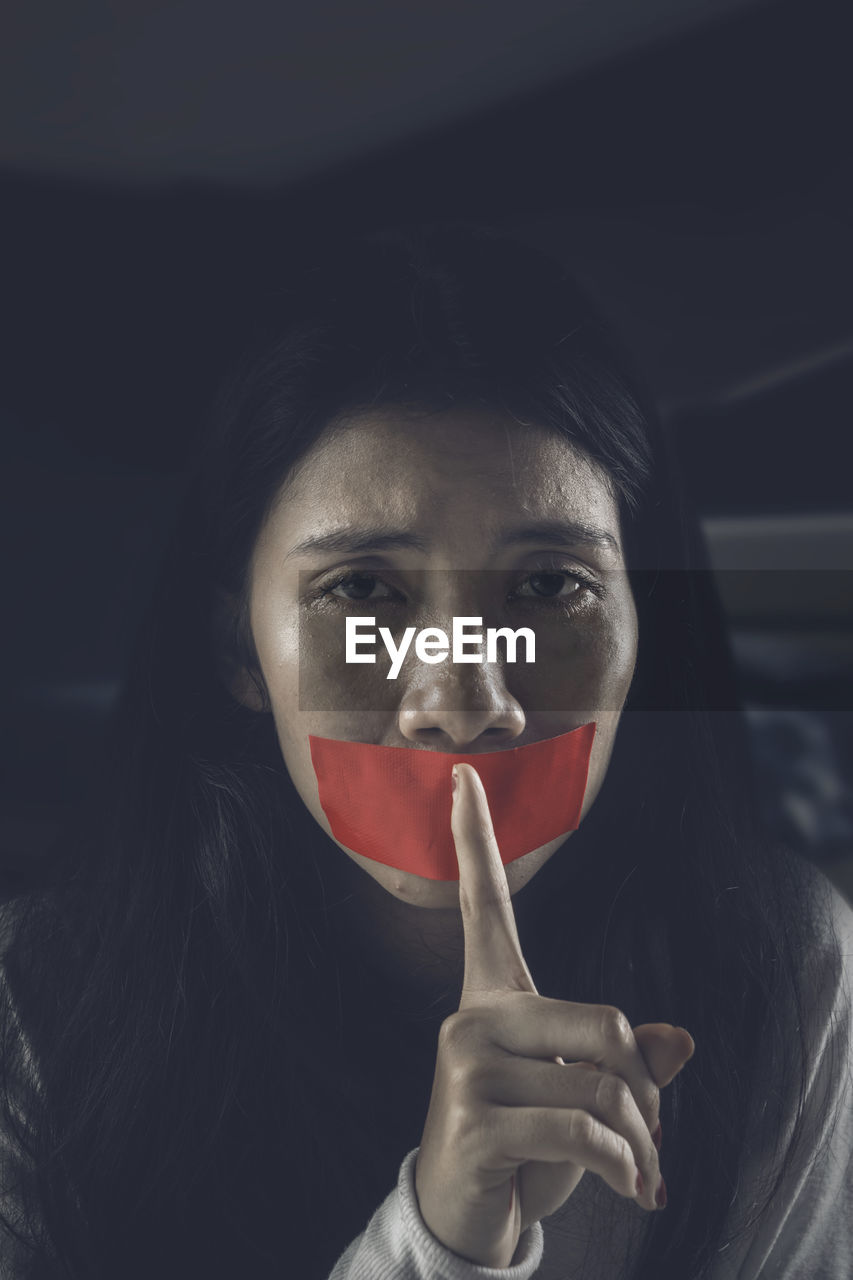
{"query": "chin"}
pixel 419 891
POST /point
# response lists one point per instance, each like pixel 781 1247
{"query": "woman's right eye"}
pixel 358 586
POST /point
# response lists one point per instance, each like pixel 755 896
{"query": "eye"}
pixel 549 584
pixel 358 586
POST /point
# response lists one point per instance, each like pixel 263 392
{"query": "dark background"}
pixel 161 163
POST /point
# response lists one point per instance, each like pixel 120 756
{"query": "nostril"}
pixel 460 730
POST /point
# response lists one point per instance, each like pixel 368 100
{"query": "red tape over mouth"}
pixel 392 804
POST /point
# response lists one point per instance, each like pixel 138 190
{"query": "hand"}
pixel 511 1125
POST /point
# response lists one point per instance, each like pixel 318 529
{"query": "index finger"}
pixel 493 956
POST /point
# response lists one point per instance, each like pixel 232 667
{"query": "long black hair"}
pixel 222 1086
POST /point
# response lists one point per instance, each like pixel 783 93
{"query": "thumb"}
pixel 665 1048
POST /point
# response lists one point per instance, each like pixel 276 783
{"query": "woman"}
pixel 245 1032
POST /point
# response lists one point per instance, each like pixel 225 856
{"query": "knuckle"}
pixel 613 1096
pixel 460 1123
pixel 649 1106
pixel 582 1128
pixel 615 1028
pixel 486 1132
pixel 625 1157
pixel 470 1079
pixel 454 1030
pixel 459 1031
pixel 471 1131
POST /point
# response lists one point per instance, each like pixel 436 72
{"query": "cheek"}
pixel 312 690
pixel 583 665
pixel 327 682
pixel 276 638
pixel 302 654
pixel 616 670
pixel 619 655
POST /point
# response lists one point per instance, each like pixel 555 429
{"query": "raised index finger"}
pixel 493 957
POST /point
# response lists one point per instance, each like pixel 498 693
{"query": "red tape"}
pixel 392 804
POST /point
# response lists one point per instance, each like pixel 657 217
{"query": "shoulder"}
pixel 806 1225
pixel 9 915
pixel 15 1173
pixel 828 962
pixel 829 992
pixel 826 973
pixel 837 920
pixel 18 1073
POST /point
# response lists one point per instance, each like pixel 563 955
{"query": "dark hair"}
pixel 216 1070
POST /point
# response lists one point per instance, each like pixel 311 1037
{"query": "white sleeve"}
pixel 397 1245
pixel 807 1231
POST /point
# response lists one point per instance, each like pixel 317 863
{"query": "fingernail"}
pixel 657 1136
pixel 453 778
pixel 660 1195
pixel 639 1184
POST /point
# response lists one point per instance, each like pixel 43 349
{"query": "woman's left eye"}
pixel 549 585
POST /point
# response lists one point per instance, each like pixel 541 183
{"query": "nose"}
pixel 458 707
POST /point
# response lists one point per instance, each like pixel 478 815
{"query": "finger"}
pixel 539 1027
pixel 665 1049
pixel 493 957
pixel 523 1082
pixel 521 1134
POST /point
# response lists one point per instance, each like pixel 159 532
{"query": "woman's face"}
pixel 426 518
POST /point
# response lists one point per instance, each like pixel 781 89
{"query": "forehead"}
pixel 430 468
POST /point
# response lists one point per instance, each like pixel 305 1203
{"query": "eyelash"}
pixel 587 584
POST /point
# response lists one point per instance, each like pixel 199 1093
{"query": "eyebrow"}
pixel 553 533
pixel 557 532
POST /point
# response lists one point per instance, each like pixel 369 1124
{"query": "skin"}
pixel 528 1092
pixel 459 481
